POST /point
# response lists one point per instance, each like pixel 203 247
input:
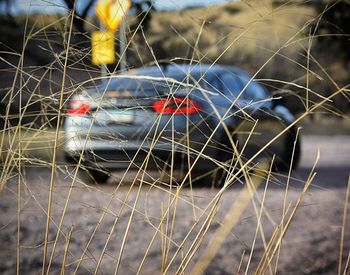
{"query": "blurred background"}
pixel 312 38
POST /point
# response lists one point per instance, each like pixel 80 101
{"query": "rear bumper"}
pixel 114 156
pixel 122 159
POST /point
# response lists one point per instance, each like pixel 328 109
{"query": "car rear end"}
pixel 134 123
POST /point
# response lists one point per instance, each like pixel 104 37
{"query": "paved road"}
pixel 311 245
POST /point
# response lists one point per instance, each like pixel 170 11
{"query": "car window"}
pixel 204 81
pixel 254 91
pixel 230 84
pixel 210 83
pixel 127 83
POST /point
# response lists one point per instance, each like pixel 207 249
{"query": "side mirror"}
pixel 279 97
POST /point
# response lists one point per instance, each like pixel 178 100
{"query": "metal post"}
pixel 103 66
pixel 122 38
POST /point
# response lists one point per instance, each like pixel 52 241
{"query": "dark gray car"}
pixel 194 117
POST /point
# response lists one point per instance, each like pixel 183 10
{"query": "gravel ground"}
pixel 311 245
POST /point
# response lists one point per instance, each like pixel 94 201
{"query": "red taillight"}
pixel 177 105
pixel 78 107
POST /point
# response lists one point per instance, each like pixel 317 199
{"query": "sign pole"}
pixel 122 50
pixel 103 66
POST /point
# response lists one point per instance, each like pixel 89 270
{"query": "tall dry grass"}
pixel 269 34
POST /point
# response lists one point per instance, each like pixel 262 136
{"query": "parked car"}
pixel 176 116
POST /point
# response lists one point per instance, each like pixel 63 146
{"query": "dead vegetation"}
pixel 52 61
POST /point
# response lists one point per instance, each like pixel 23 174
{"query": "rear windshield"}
pixel 206 81
pixel 137 84
pixel 159 85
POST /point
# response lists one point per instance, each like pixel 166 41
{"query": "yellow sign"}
pixel 112 12
pixel 103 47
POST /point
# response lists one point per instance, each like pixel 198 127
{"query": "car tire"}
pixel 290 150
pixel 215 178
pixel 224 155
pixel 93 175
pixel 208 179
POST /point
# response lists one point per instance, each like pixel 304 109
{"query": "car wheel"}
pixel 215 178
pixel 225 155
pixel 290 150
pixel 93 175
pixel 211 178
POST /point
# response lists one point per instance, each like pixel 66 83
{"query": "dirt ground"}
pixel 311 245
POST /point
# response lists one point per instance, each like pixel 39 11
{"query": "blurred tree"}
pixel 144 9
pixel 143 12
pixel 80 17
pixel 334 25
pixel 6 5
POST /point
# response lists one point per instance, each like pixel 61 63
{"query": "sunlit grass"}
pixel 24 145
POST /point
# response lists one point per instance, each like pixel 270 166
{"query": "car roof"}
pixel 176 71
pixel 193 69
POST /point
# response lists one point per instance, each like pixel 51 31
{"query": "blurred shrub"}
pixel 334 26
